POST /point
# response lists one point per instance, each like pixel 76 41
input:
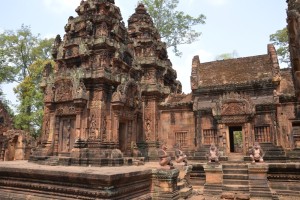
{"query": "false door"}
pixel 66 138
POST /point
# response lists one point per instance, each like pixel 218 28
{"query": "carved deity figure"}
pixel 135 150
pixel 180 156
pixel 256 153
pixel 164 158
pixel 93 125
pixel 213 155
pixel 89 28
pixel 103 29
pixel 148 129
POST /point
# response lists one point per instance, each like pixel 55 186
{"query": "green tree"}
pixel 175 27
pixel 281 42
pixel 30 109
pixel 18 50
pixel 22 56
pixel 225 56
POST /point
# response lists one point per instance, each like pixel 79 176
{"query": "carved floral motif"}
pixel 64 109
pixel 234 104
pixel 63 91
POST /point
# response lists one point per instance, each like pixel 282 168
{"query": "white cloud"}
pixel 61 6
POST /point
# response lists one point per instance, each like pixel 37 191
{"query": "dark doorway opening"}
pixel 236 139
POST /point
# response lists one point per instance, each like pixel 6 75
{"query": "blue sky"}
pixel 243 26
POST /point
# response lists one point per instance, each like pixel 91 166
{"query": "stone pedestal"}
pixel 164 184
pixel 258 182
pixel 184 185
pixel 214 179
pixel 258 171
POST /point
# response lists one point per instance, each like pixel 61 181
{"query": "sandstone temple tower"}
pixel 104 92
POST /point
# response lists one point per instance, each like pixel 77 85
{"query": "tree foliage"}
pixel 23 56
pixel 18 50
pixel 30 109
pixel 225 56
pixel 175 27
pixel 281 42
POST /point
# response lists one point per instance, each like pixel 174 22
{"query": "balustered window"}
pixel 262 133
pixel 210 136
pixel 181 138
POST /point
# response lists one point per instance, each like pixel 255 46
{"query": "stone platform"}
pixel 24 180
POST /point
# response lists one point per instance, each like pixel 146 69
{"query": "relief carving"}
pixel 93 132
pixel 49 93
pixel 81 90
pixel 89 28
pixel 63 91
pixel 234 104
pixel 102 30
pixel 64 109
pixel 103 129
pixel 148 128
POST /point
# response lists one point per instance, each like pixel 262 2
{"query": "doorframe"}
pixel 232 129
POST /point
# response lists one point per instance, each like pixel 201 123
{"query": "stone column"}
pixel 198 130
pixel 78 123
pixel 115 128
pixel 164 184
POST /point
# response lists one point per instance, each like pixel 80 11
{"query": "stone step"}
pixel 235 171
pixel 235 157
pixel 235 166
pixel 180 185
pixel 235 182
pixel 261 194
pixel 236 176
pixel 288 193
pixel 212 189
pixel 185 192
pixel 261 198
pixel 275 197
pixel 236 188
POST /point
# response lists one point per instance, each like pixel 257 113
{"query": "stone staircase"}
pixel 241 180
pixel 294 155
pixel 235 178
pixel 273 153
pixel 53 161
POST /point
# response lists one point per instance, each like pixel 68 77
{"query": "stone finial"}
pixel 196 61
pixel 141 9
pixel 275 65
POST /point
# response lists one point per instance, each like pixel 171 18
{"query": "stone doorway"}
pixel 236 139
pixel 66 134
pixel 122 136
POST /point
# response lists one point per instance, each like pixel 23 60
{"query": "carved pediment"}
pixel 129 94
pixel 234 104
pixel 63 90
